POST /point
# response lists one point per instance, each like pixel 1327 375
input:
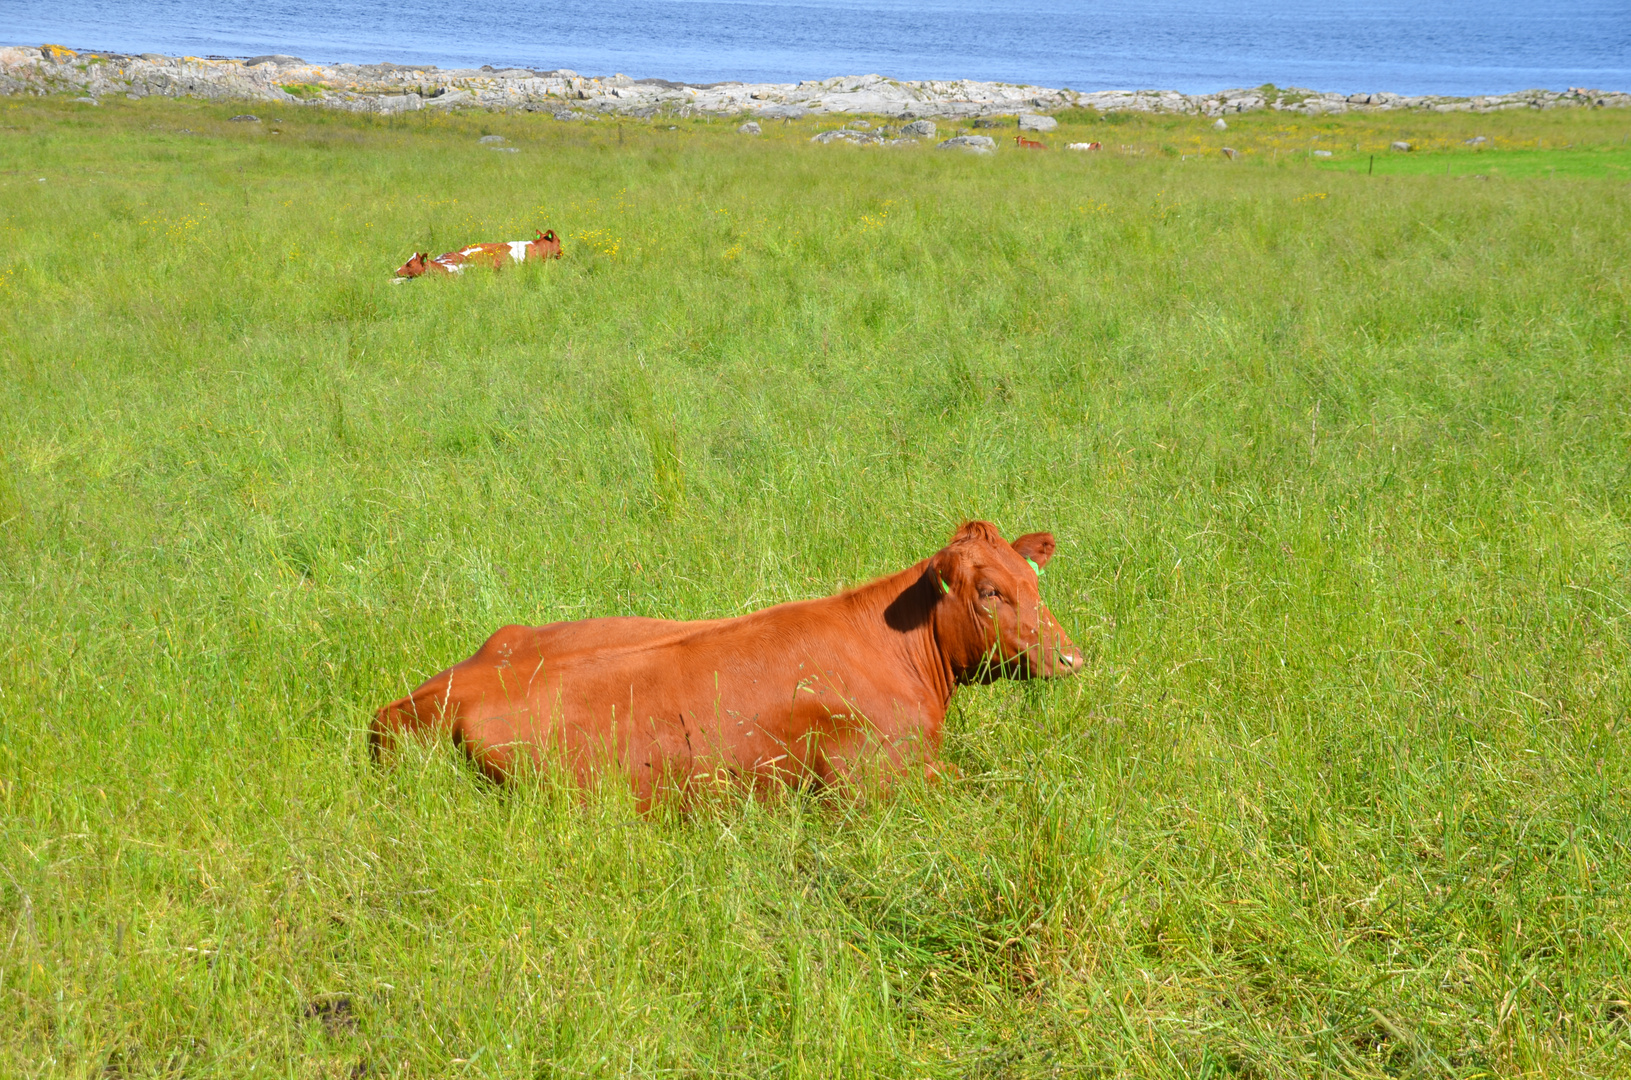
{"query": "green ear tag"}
pixel 1035 567
pixel 944 587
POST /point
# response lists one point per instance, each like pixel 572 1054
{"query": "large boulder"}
pixel 1029 122
pixel 974 144
pixel 395 103
pixel 922 129
pixel 749 128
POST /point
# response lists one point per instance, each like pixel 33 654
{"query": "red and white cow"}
pixel 545 246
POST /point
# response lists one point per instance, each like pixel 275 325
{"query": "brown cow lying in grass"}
pixel 804 691
pixel 545 246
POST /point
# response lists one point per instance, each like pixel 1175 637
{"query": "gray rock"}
pixel 155 58
pixel 923 129
pixel 1221 124
pixel 974 144
pixel 860 138
pixel 514 73
pixel 783 112
pixel 450 97
pixel 245 118
pixel 987 122
pixel 87 101
pixel 1402 146
pixel 1030 122
pixel 492 140
pixel 505 149
pixel 858 125
pixel 395 103
pixel 1230 152
pixel 749 128
pixel 275 58
pixel 1477 140
pixel 1322 153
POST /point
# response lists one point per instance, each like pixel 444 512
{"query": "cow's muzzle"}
pixel 1059 660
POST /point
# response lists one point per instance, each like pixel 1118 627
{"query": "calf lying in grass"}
pixel 546 245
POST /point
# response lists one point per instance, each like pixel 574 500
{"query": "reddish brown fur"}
pixel 807 690
pixel 1028 144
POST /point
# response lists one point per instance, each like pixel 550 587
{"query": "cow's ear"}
pixel 1037 547
pixel 946 570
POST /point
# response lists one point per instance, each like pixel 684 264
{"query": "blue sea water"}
pixel 1407 46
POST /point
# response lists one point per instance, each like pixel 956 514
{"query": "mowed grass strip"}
pixel 1338 464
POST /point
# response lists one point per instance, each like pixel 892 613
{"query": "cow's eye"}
pixel 988 592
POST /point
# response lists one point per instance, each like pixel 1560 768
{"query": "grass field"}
pixel 1340 468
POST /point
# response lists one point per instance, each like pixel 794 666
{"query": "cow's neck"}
pixel 903 606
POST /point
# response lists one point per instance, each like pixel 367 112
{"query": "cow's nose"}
pixel 1069 659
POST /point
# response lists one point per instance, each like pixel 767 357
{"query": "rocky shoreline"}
pixel 396 88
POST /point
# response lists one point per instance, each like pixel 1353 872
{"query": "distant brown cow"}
pixel 546 245
pixel 804 691
pixel 1028 144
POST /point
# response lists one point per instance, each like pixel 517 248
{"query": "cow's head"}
pixel 414 266
pixel 989 617
pixel 546 246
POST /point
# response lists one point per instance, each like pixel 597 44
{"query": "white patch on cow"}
pixel 469 251
pixel 518 250
pixel 457 268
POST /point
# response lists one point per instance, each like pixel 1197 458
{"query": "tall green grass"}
pixel 1338 465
